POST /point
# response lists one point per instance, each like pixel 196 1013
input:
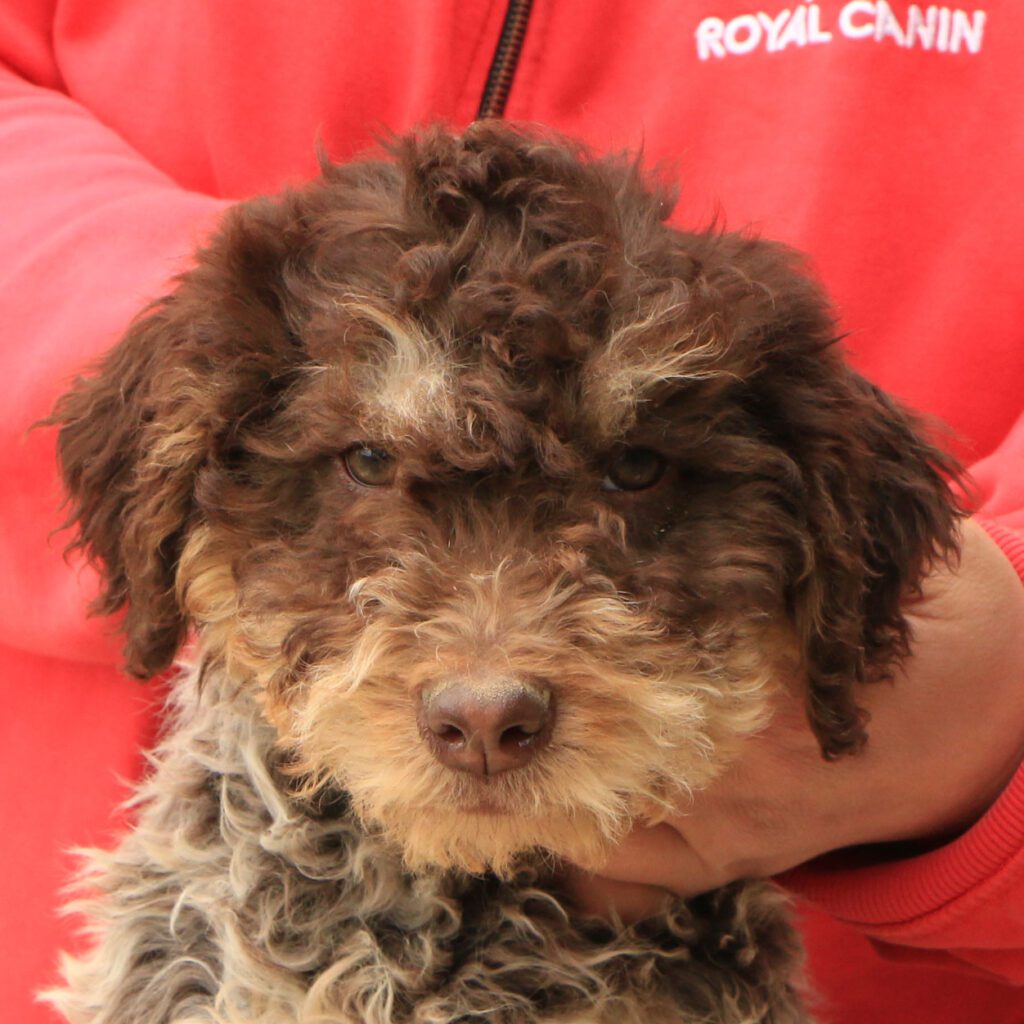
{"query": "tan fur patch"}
pixel 662 348
pixel 405 381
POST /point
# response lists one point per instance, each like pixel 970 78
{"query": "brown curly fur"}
pixel 503 313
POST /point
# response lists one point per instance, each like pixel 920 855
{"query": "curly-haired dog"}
pixel 496 506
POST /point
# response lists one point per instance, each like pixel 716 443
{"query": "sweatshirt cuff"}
pixel 922 895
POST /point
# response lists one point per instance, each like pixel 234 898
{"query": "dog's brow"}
pixel 407 379
pixel 656 348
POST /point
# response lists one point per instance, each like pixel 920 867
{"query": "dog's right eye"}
pixel 372 467
pixel 634 469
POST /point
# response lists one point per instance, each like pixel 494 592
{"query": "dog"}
pixel 486 509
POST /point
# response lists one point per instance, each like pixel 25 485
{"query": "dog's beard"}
pixel 627 750
pixel 643 717
pixel 574 799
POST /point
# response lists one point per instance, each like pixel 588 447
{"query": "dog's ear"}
pixel 880 513
pixel 129 452
pixel 875 508
pixel 135 435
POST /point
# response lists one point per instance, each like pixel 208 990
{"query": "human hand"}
pixel 945 738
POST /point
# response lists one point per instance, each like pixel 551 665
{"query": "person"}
pixel 880 138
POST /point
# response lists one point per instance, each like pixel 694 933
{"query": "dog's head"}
pixel 509 502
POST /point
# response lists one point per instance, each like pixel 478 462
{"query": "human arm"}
pixel 89 231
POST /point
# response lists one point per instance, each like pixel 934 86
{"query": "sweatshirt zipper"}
pixel 506 57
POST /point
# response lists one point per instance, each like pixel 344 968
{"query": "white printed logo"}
pixel 939 29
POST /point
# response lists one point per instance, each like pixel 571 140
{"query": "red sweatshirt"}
pixel 886 139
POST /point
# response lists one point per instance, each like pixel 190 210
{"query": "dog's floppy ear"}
pixel 129 452
pixel 135 434
pixel 880 512
pixel 875 509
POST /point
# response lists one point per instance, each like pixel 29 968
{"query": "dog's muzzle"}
pixel 486 729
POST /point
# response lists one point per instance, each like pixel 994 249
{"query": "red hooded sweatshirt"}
pixel 886 139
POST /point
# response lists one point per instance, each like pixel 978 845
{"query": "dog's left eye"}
pixel 634 469
pixel 374 467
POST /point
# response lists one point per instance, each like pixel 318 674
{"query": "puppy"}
pixel 493 508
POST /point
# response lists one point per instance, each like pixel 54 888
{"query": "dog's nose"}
pixel 486 730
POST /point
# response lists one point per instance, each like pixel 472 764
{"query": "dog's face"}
pixel 508 502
